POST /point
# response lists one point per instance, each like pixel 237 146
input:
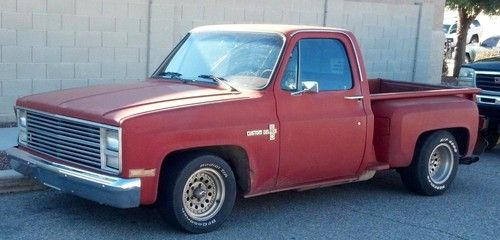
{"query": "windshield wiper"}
pixel 220 81
pixel 174 75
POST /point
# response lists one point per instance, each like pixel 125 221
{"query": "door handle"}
pixel 359 98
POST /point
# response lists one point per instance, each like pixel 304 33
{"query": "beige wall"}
pixel 56 44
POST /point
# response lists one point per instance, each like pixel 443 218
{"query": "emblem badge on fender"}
pixel 271 131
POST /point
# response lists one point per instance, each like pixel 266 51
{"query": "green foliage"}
pixel 490 7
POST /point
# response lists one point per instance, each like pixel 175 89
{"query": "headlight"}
pixel 112 140
pixel 23 137
pixel 112 149
pixel 21 118
pixel 22 124
pixel 467 77
pixel 113 161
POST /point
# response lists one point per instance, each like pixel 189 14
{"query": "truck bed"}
pixel 403 109
pixel 383 89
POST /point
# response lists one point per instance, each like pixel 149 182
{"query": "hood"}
pixel 110 104
pixel 489 64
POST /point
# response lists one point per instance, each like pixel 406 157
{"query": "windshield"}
pixel 245 60
pixel 446 27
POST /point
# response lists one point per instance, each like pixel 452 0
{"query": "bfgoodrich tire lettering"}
pixel 197 192
pixel 434 165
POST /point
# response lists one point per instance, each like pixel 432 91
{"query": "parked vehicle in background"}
pixel 250 108
pixel 485 74
pixel 450 31
pixel 473 50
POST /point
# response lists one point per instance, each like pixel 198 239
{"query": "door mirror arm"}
pixel 307 87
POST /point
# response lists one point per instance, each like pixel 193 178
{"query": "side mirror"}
pixel 307 87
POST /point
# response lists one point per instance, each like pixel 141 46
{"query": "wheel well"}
pixel 235 156
pixel 461 135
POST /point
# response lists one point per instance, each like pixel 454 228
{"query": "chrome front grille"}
pixel 487 81
pixel 65 139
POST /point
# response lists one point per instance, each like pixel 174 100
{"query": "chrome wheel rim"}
pixel 441 163
pixel 203 194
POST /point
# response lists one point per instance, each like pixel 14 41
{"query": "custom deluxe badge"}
pixel 271 131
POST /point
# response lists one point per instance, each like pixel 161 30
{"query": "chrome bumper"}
pixel 108 190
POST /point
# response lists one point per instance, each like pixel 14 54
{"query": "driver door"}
pixel 322 135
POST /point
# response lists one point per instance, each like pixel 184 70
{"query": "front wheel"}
pixel 434 165
pixel 197 192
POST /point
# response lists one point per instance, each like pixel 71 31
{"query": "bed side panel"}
pixel 399 123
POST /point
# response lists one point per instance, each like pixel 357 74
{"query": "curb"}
pixel 12 181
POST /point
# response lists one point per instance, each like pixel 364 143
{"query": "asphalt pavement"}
pixel 377 209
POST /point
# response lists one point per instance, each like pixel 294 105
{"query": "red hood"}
pixel 110 104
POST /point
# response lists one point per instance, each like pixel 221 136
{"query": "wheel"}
pixel 492 139
pixel 197 192
pixel 474 39
pixel 434 165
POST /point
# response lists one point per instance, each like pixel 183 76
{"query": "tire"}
pixel 197 192
pixel 492 138
pixel 434 165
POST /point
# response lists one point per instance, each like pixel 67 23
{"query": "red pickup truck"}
pixel 253 109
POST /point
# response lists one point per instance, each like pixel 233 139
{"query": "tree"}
pixel 467 12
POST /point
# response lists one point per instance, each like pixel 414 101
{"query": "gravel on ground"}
pixel 4 164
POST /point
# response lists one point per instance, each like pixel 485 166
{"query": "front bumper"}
pixel 108 190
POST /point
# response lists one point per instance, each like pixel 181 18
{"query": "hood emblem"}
pixel 497 80
pixel 271 131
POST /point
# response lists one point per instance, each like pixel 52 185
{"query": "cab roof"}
pixel 277 28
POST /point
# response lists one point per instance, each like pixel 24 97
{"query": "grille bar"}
pixel 67 129
pixel 37 130
pixel 64 139
pixel 61 123
pixel 65 144
pixel 487 82
pixel 64 156
pixel 60 152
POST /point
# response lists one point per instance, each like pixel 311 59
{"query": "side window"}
pixel 453 29
pixel 290 78
pixel 321 60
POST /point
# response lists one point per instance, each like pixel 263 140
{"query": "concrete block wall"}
pixel 171 20
pixel 57 44
pixel 387 40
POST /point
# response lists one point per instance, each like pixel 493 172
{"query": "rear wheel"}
pixel 434 165
pixel 197 192
pixel 492 139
